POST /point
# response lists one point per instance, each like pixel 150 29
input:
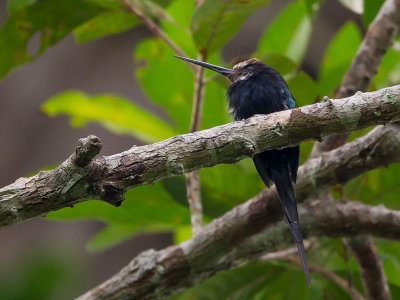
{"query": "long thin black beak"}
pixel 221 70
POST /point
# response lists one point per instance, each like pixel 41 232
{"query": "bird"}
pixel 256 88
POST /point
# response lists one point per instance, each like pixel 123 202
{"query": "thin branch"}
pixel 371 269
pixel 339 281
pixel 378 39
pixel 198 3
pixel 198 97
pixel 156 30
pixel 290 255
pixel 193 178
pixel 244 232
pixel 108 177
pixel 284 254
pixel 193 190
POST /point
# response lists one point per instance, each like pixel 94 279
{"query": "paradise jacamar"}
pixel 256 88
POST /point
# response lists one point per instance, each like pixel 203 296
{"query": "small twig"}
pixel 371 270
pixel 193 178
pixel 194 199
pixel 284 254
pixel 156 30
pixel 198 98
pixel 342 283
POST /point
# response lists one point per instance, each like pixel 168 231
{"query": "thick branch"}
pixel 107 178
pixel 371 269
pixel 378 39
pixel 241 233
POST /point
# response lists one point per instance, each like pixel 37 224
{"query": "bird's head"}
pixel 239 71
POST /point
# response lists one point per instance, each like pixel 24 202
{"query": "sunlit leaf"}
pixel 113 112
pixel 181 11
pixel 338 58
pixel 145 209
pixel 216 22
pixel 288 35
pixel 53 19
pixel 356 6
pixel 166 80
pixel 109 22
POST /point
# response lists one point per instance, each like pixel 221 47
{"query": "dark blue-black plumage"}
pixel 256 88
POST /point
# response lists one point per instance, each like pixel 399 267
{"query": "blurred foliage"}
pixel 163 206
pixel 42 274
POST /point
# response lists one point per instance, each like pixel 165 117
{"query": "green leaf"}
pixel 371 9
pixel 111 4
pixel 235 284
pixel 389 70
pixel 282 64
pixel 225 186
pixel 338 58
pixel 167 81
pixel 255 280
pixel 111 235
pixel 181 11
pixel 115 113
pixel 216 22
pixel 53 19
pixel 145 209
pixel 380 186
pixel 119 18
pixel 15 5
pixel 222 187
pixel 109 22
pixel 312 6
pixel 153 10
pixel 303 88
pixel 288 35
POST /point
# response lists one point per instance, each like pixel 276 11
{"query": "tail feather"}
pixel 284 186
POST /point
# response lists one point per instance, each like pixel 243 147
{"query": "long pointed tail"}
pixel 286 195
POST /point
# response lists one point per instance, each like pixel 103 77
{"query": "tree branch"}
pixel 244 232
pixel 108 177
pixel 378 39
pixel 371 269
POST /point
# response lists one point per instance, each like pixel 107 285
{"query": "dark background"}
pixel 30 141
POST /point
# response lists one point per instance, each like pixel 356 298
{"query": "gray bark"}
pixel 80 178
